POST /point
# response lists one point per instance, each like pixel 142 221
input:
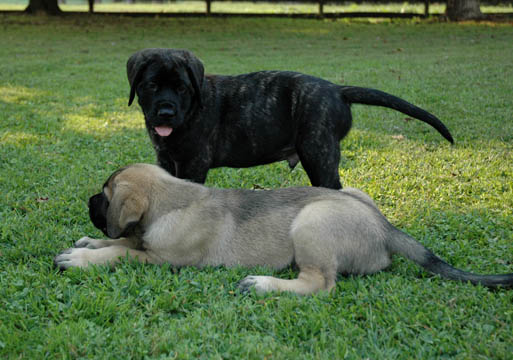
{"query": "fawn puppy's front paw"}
pixel 76 257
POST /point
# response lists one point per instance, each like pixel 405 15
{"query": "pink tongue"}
pixel 164 130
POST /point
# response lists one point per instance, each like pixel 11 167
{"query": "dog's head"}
pixel 119 209
pixel 168 84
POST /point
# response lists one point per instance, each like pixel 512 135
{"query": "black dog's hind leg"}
pixel 320 159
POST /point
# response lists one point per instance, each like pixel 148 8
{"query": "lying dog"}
pixel 157 218
pixel 199 122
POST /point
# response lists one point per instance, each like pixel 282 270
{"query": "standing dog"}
pixel 158 218
pixel 199 122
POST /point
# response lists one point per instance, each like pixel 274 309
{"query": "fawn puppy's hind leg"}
pixel 315 234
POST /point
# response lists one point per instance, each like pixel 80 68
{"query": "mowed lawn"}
pixel 65 127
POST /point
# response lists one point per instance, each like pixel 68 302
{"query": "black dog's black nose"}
pixel 167 112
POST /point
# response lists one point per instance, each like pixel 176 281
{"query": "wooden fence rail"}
pixel 321 3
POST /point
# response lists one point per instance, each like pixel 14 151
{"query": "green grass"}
pixel 65 126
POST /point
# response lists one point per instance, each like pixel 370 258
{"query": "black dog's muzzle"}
pixel 166 112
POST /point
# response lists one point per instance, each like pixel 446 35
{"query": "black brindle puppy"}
pixel 199 122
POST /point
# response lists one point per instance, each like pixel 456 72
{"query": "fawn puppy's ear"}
pixel 126 209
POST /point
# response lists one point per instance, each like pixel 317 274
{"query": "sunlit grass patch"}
pixel 89 120
pixel 19 94
pixel 18 138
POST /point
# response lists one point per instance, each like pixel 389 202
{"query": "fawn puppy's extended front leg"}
pixel 111 255
pixel 90 243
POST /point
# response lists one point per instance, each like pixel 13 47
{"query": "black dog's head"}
pixel 168 84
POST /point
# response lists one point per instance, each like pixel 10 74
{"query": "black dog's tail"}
pixel 407 246
pixel 359 95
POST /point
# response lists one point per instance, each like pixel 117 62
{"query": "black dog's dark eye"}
pixel 151 86
pixel 182 89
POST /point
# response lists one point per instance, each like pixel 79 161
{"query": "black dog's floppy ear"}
pixel 126 209
pixel 135 67
pixel 196 73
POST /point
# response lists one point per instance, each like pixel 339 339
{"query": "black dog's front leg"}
pixel 195 170
pixel 167 164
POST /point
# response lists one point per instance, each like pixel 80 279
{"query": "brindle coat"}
pixel 199 122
